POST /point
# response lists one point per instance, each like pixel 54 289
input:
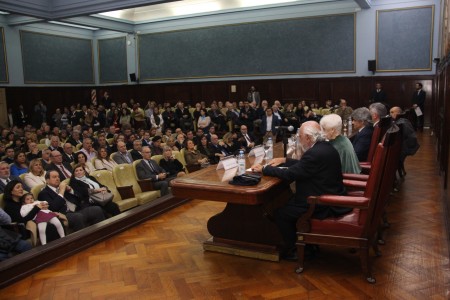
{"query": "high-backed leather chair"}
pixel 357 229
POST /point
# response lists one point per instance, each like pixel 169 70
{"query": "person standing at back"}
pixel 418 101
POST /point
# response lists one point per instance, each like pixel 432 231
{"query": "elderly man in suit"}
pixel 63 168
pixel 122 156
pixel 149 169
pixel 363 132
pixel 60 198
pixel 5 177
pixel 246 139
pixel 318 172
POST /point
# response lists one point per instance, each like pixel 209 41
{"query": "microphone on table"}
pixel 289 128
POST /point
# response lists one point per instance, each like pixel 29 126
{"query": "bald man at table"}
pixel 318 172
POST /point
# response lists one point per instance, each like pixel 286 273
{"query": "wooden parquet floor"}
pixel 163 258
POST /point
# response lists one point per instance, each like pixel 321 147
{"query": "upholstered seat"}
pixel 125 175
pixel 106 178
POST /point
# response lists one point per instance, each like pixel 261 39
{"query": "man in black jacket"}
pixel 318 172
pixel 61 199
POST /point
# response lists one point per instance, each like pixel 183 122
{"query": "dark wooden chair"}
pixel 357 229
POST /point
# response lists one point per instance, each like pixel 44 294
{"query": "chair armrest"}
pixel 335 200
pixel 126 192
pixel 355 184
pixel 362 177
pixel 146 185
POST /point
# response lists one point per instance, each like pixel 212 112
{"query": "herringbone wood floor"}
pixel 163 258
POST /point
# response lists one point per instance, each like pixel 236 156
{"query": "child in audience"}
pixel 43 217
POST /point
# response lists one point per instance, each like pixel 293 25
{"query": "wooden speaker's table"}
pixel 244 227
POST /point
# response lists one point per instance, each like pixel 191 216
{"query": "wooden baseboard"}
pixel 27 263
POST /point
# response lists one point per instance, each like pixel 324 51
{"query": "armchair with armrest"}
pixel 378 134
pixel 357 229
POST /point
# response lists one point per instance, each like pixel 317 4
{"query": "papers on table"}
pixel 257 151
pixel 227 163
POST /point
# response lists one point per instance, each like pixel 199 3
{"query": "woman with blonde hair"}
pixel 36 174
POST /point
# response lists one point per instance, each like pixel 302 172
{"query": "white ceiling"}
pixel 191 7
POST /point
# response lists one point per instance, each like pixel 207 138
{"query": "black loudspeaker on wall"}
pixel 372 65
pixel 133 77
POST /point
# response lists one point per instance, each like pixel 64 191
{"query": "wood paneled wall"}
pixel 356 90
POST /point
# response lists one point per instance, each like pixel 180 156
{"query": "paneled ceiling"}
pixel 123 15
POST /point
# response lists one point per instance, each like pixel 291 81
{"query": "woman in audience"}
pixel 12 193
pixel 103 161
pixel 203 147
pixel 230 142
pixel 20 165
pixel 204 121
pixel 125 117
pixel 331 128
pixel 192 156
pixel 170 164
pixel 36 175
pixel 85 185
pixel 81 158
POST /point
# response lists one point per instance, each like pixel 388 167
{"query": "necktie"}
pixel 127 158
pixel 151 167
pixel 247 138
pixel 65 172
pixel 8 180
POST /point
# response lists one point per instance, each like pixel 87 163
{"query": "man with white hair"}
pixel 318 172
pixel 331 126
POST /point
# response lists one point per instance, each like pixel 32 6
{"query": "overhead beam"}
pixel 366 4
pixel 16 20
pixel 38 8
pixel 100 23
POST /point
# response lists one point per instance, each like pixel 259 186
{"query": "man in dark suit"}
pixel 21 117
pixel 136 153
pixel 268 125
pixel 149 169
pixel 63 168
pixel 217 150
pixel 363 132
pixel 55 144
pixel 247 140
pixel 67 153
pixel 418 100
pixel 5 177
pixel 318 172
pixel 61 199
pixel 247 115
pixel 378 95
pixel 253 96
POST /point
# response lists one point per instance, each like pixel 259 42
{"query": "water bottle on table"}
pixel 269 149
pixel 241 163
